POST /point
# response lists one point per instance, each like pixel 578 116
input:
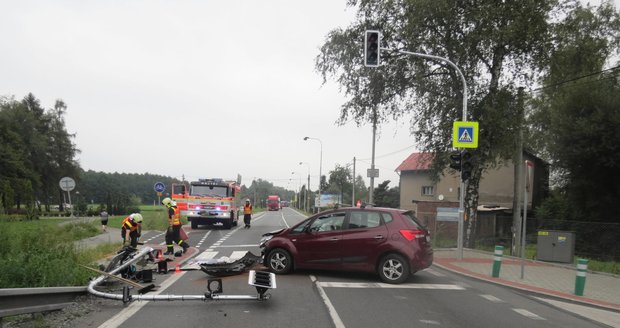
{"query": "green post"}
pixel 497 260
pixel 580 280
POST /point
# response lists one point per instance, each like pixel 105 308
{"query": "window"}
pixel 364 220
pixel 428 191
pixel 328 222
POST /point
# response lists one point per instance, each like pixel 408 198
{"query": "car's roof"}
pixel 350 208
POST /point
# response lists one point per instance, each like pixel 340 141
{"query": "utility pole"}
pixel 353 191
pixel 518 170
pixel 372 163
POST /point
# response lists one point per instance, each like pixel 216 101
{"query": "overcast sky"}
pixel 193 88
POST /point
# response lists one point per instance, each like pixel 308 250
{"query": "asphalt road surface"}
pixel 431 298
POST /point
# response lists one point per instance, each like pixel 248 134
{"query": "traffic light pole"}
pixel 462 185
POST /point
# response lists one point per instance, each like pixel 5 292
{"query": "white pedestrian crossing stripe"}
pixel 382 285
pixel 194 264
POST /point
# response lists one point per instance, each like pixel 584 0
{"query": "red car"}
pixel 390 242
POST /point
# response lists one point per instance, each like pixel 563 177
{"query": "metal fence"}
pixel 594 240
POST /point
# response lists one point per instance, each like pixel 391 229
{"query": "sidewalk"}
pixel 551 279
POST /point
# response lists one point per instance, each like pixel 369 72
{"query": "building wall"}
pixel 496 186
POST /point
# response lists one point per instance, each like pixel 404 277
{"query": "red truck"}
pixel 273 203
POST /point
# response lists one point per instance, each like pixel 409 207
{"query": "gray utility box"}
pixel 555 246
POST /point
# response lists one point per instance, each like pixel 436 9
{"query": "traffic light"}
pixel 371 49
pixel 467 164
pixel 455 161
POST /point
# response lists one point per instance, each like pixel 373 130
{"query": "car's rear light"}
pixel 412 234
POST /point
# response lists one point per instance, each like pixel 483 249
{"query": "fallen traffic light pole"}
pixel 263 281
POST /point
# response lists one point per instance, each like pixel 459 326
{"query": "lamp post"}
pixel 320 168
pixel 307 187
pixel 298 189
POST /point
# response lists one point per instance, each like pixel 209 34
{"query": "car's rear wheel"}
pixel 194 224
pixel 393 269
pixel 279 261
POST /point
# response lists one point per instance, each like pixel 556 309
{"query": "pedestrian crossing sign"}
pixel 465 135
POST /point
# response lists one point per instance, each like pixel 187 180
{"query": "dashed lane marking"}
pixel 492 298
pixel 528 314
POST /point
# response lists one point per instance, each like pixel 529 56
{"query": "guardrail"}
pixel 16 301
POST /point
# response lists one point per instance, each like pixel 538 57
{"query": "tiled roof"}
pixel 416 161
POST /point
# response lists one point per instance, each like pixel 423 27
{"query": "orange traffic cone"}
pixel 177 269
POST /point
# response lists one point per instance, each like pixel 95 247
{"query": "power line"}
pixel 576 78
pixel 388 154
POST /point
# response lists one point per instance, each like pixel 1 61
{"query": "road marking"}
pixel 134 307
pixel 431 322
pixel 382 285
pixel 283 219
pixel 330 307
pixel 233 246
pixel 492 298
pixel 202 240
pixel 528 314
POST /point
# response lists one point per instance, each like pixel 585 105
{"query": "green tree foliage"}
pixel 35 151
pixel 386 197
pixel 258 191
pixel 496 44
pixel 340 183
pixel 576 116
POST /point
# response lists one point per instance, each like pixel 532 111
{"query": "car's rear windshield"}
pixel 410 216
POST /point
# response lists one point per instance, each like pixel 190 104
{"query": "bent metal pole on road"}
pixel 206 296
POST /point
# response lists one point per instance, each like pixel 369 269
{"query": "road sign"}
pixel 372 173
pixel 465 135
pixel 160 187
pixel 67 184
pixel 447 214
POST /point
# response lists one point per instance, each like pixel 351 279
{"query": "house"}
pixel 419 193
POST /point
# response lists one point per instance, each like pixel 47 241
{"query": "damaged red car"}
pixel 387 241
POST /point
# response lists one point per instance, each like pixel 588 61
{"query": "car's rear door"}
pixel 363 239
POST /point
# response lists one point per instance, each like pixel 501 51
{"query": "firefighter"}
pixel 174 227
pixel 131 229
pixel 247 213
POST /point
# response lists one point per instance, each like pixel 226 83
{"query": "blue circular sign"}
pixel 160 187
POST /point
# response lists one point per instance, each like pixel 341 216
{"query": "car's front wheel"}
pixel 393 269
pixel 279 261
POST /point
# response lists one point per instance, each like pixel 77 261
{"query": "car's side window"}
pixel 387 217
pixel 328 222
pixel 364 220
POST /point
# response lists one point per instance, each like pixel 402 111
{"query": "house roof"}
pixel 416 161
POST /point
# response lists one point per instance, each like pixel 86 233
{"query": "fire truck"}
pixel 208 201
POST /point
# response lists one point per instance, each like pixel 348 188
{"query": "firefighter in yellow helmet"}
pixel 173 234
pixel 131 229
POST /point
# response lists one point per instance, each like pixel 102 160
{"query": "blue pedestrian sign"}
pixel 160 187
pixel 465 135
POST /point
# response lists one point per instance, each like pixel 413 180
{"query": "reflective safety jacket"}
pixel 247 209
pixel 130 224
pixel 173 216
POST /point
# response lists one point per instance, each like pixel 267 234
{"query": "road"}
pixel 431 298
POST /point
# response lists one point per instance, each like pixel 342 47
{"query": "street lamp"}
pixel 307 187
pixel 320 168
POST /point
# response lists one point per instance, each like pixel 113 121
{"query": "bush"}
pixel 41 254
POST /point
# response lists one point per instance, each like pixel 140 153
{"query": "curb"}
pixel 534 290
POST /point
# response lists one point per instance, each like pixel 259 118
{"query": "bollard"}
pixel 580 279
pixel 497 260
